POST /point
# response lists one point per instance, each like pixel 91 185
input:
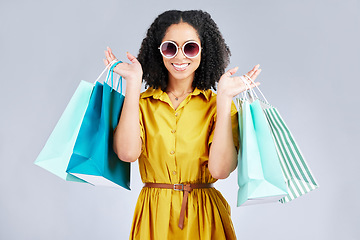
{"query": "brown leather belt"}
pixel 186 188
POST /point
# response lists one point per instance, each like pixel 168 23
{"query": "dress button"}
pixel 176 114
pixel 172 152
pixel 173 131
pixel 174 172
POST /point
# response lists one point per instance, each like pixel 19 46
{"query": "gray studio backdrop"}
pixel 309 53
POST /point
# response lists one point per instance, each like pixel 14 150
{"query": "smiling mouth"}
pixel 180 67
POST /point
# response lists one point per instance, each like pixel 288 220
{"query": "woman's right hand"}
pixel 132 72
pixel 127 140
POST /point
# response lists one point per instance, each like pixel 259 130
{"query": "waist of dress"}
pixel 186 188
pixel 180 187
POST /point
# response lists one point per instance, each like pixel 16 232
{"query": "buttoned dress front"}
pixel 175 149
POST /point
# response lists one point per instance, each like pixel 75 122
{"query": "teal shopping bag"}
pixel 260 177
pixel 58 149
pixel 297 174
pixel 93 158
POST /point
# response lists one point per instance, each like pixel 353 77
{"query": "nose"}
pixel 180 54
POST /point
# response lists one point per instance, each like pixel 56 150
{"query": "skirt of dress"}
pixel 157 215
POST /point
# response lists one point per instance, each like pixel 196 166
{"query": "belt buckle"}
pixel 180 184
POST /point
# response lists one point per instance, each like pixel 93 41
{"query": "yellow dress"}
pixel 176 150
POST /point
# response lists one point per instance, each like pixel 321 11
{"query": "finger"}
pixel 131 58
pixel 255 69
pixel 232 71
pixel 255 75
pixel 252 75
pixel 108 49
pixel 107 55
pixel 252 71
pixel 107 63
pixel 111 53
pixel 245 81
pixel 254 85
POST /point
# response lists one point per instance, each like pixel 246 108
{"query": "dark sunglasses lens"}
pixel 191 49
pixel 168 49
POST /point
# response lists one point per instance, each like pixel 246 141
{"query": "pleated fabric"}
pixel 157 215
pixel 176 150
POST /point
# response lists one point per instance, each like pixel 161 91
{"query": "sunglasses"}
pixel 190 49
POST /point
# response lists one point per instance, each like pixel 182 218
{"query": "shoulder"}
pixel 207 95
pixel 149 92
pixel 211 94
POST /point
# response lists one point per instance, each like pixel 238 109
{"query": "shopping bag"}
pixel 57 151
pixel 93 158
pixel 260 177
pixel 298 176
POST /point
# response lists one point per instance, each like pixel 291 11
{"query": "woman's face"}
pixel 180 67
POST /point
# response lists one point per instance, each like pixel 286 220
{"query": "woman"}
pixel 186 136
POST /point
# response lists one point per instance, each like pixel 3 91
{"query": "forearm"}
pixel 223 155
pixel 127 141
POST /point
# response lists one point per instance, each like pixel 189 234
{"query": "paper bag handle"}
pixel 111 76
pixel 112 62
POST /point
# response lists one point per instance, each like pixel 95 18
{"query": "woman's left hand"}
pixel 229 86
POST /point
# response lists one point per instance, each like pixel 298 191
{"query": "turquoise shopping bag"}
pixel 58 149
pixel 260 177
pixel 297 174
pixel 93 158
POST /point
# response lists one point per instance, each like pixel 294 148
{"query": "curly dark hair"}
pixel 215 53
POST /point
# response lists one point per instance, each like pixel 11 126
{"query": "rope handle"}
pixel 256 88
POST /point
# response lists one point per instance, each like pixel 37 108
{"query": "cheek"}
pixel 198 61
pixel 166 64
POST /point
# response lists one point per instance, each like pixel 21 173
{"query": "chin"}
pixel 182 76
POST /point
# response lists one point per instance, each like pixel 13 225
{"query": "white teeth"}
pixel 181 66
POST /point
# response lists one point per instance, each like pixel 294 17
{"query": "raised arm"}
pixel 127 141
pixel 223 155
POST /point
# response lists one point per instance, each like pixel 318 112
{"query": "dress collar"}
pixel 159 94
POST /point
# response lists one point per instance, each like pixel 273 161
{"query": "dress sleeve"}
pixel 234 124
pixel 142 132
